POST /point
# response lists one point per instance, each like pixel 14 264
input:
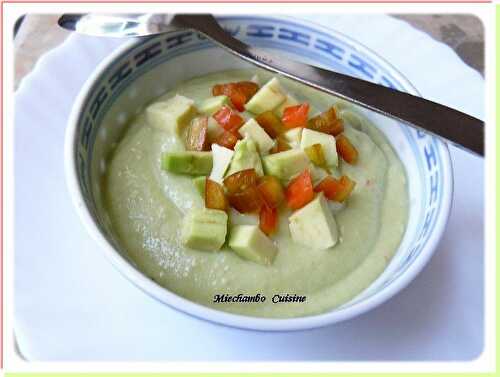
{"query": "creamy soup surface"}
pixel 146 206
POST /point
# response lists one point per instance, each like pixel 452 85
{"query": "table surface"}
pixel 464 33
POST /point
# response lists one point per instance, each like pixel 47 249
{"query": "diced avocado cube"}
pixel 268 97
pixel 317 174
pixel 204 229
pixel 199 183
pixel 211 105
pixel 293 136
pixel 289 101
pixel 171 115
pixel 250 243
pixel 310 137
pixel 187 162
pixel 285 165
pixel 213 129
pixel 254 131
pixel 246 156
pixel 314 225
pixel 222 157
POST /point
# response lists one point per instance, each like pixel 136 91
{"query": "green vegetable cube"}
pixel 314 225
pixel 171 115
pixel 287 164
pixel 187 162
pixel 212 105
pixel 250 243
pixel 204 229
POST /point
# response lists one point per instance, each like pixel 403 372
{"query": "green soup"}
pixel 146 206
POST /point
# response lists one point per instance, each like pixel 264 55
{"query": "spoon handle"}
pixel 454 126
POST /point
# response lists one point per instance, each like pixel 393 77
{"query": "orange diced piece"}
pixel 327 122
pixel 268 220
pixel 226 139
pixel 346 150
pixel 295 116
pixel 215 197
pixel 228 119
pixel 270 123
pixel 299 191
pixel 240 180
pixel 271 190
pixel 347 187
pixel 336 190
pixel 197 138
pixel 247 200
pixel 238 92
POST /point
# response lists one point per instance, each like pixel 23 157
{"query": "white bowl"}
pixel 143 69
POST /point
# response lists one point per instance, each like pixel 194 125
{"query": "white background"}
pixel 439 316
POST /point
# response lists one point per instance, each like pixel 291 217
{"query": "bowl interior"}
pixel 147 68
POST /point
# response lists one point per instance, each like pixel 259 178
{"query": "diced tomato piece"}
pixel 247 200
pixel 330 186
pixel 270 123
pixel 300 191
pixel 228 119
pixel 336 190
pixel 238 92
pixel 226 139
pixel 346 150
pixel 240 180
pixel 327 122
pixel 249 88
pixel 271 190
pixel 316 155
pixel 268 220
pixel 238 99
pixel 197 138
pixel 295 116
pixel 215 197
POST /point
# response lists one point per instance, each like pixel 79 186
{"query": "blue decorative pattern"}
pixel 262 32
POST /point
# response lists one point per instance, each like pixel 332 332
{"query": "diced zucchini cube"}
pixel 199 184
pixel 213 129
pixel 246 156
pixel 287 164
pixel 211 105
pixel 310 137
pixel 204 229
pixel 250 243
pixel 187 162
pixel 314 225
pixel 293 136
pixel 222 157
pixel 289 101
pixel 268 97
pixel 171 115
pixel 254 131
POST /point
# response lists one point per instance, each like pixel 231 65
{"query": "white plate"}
pixel 60 275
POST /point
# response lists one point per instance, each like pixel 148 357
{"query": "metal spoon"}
pixel 454 126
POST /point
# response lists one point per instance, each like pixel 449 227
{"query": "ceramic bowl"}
pixel 143 69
